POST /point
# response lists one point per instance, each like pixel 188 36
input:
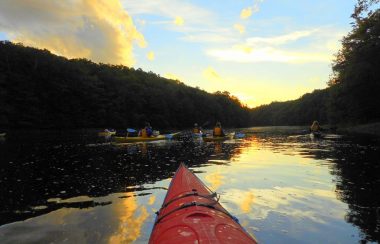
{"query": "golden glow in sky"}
pixel 258 50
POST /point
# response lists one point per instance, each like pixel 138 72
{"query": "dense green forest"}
pixel 42 90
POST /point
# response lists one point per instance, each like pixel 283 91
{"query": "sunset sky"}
pixel 260 51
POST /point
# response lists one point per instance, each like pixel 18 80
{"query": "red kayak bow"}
pixel 191 213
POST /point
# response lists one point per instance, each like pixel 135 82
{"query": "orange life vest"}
pixel 217 131
pixel 196 130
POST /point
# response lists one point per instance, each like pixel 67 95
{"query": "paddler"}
pixel 315 127
pixel 196 129
pixel 218 131
pixel 146 131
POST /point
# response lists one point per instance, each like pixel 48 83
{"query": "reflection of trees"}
pixel 32 173
pixel 358 184
pixel 359 187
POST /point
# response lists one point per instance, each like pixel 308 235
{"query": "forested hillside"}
pixel 42 90
pixel 353 95
pixel 309 107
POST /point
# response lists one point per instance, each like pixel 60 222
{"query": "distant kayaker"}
pixel 196 129
pixel 315 127
pixel 147 131
pixel 218 131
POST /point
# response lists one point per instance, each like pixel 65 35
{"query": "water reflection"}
pixel 131 218
pixel 283 186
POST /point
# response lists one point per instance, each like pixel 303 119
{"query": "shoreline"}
pixel 368 129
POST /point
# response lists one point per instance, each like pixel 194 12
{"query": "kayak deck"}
pixel 191 213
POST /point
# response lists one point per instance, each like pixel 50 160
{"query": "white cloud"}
pixel 195 23
pixel 101 30
pixel 169 9
pixel 318 46
pixel 267 55
pixel 282 39
pixel 240 28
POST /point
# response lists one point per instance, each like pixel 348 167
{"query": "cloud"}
pixel 169 9
pixel 201 24
pixel 178 21
pixel 316 47
pixel 210 37
pixel 247 12
pixel 98 30
pixel 239 28
pixel 282 39
pixel 150 56
pixel 268 55
pixel 172 76
pixel 211 75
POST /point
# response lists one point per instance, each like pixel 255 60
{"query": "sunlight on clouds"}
pixel 98 30
pixel 279 40
pixel 178 21
pixel 211 75
pixel 150 56
pixel 172 77
pixel 246 13
pixel 239 28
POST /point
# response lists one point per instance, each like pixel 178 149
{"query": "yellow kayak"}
pixel 119 139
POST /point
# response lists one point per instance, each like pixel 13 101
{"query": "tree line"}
pixel 42 90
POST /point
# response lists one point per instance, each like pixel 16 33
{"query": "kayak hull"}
pixel 119 139
pixel 191 213
pixel 105 133
pixel 316 135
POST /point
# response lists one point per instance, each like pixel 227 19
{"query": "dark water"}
pixel 284 187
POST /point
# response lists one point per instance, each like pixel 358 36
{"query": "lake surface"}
pixel 283 186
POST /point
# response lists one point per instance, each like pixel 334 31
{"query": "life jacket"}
pixel 196 130
pixel 144 133
pixel 217 131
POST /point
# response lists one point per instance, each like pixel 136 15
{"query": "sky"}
pixel 259 50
